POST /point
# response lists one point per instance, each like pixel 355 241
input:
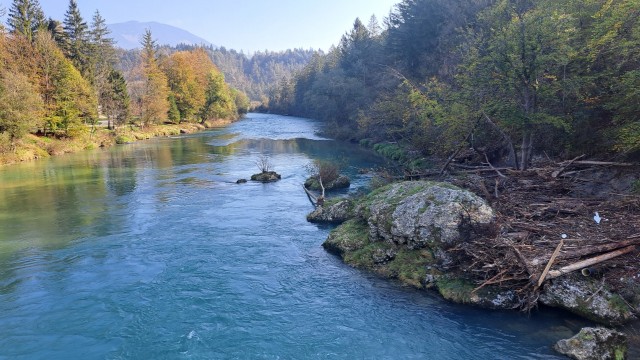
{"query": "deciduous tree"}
pixel 20 105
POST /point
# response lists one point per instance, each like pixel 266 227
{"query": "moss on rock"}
pixel 455 289
pixel 266 177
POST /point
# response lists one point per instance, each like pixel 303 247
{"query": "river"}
pixel 152 251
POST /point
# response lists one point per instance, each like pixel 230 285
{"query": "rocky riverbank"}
pixel 435 235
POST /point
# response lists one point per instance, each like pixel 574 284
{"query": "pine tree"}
pixel 115 100
pixel 26 18
pixel 78 36
pixel 102 57
pixel 149 46
pixel 174 112
pixel 154 99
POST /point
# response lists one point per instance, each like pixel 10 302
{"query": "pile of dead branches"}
pixel 545 228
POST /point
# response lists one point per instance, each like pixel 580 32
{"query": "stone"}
pixel 594 344
pixel 266 177
pixel 348 237
pixel 586 297
pixel 421 213
pixel 332 212
pixel 241 181
pixel 403 231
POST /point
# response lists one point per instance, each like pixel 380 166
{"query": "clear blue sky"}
pixel 248 25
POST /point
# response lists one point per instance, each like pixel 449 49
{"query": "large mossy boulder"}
pixel 342 182
pixel 351 241
pixel 418 214
pixel 332 212
pixel 266 177
pixel 586 297
pixel 404 230
pixel 594 344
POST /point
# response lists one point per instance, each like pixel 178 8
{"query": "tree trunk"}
pixel 321 186
pixel 525 152
pixel 513 157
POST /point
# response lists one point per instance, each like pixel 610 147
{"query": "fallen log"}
pixel 312 198
pixel 559 171
pixel 601 163
pixel 598 249
pixel 588 262
pixel 548 267
pixel 493 168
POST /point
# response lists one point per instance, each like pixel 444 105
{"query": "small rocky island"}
pixel 266 177
pixel 266 174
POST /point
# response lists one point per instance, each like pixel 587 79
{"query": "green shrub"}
pixel 635 187
pixel 123 139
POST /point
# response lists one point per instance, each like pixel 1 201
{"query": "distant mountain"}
pixel 129 34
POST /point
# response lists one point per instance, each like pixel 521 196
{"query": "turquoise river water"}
pixel 151 251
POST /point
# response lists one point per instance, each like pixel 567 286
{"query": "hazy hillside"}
pixel 128 34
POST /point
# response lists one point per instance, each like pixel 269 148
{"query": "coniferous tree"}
pixel 174 112
pixel 103 53
pixel 26 18
pixel 154 100
pixel 77 31
pixel 115 100
pixel 102 56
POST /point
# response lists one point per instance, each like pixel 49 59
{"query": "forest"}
pixel 58 79
pixel 510 78
pixel 256 75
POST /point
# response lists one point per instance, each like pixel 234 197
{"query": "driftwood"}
pixel 493 168
pixel 312 198
pixel 602 163
pixel 588 262
pixel 548 267
pixel 559 171
pixel 598 249
pixel 490 281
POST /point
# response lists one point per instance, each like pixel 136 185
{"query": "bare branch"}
pixel 264 164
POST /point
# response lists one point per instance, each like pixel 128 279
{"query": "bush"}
pixel 123 139
pixel 391 151
pixel 635 187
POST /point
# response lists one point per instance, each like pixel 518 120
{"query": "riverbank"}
pixel 563 235
pixel 33 147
